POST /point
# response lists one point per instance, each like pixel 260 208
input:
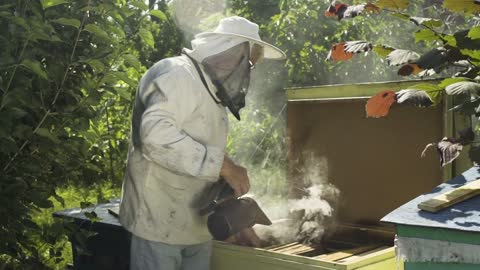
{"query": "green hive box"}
pixel 375 163
pixel 448 239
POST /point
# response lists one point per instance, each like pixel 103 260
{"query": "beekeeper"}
pixel 179 133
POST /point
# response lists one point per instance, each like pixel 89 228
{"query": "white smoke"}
pixel 193 17
pixel 303 219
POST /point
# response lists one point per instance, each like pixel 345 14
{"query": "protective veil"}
pixel 230 73
pixel 225 61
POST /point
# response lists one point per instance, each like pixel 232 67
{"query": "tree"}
pixel 68 73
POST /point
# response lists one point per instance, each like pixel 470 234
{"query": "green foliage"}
pixel 301 29
pixel 448 49
pixel 467 6
pixel 393 4
pixel 68 73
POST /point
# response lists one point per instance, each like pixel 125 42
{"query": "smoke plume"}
pixel 303 219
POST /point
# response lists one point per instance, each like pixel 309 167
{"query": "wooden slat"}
pixel 292 248
pixel 380 254
pixel 299 250
pixel 283 246
pixel 359 256
pixel 452 197
pixel 345 253
pixel 305 250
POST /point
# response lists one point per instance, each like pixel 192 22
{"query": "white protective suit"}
pixel 177 147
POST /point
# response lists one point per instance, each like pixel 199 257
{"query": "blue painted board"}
pixel 464 216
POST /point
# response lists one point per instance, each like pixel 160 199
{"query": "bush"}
pixel 68 74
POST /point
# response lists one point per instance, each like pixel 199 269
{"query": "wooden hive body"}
pixel 375 163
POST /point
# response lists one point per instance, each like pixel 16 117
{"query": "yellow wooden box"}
pixel 375 163
pixel 380 256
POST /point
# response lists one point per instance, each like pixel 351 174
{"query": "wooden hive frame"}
pixel 374 253
pixel 244 258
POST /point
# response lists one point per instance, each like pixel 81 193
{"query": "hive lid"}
pixel 464 216
pixel 375 163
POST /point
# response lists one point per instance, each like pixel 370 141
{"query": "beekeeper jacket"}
pixel 177 147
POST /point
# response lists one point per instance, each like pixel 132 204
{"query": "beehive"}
pixel 447 239
pixel 375 163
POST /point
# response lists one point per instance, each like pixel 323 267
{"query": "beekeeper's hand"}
pixel 248 237
pixel 236 176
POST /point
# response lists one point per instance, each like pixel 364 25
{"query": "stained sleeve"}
pixel 169 101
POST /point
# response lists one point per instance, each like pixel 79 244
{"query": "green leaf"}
pixel 475 54
pixel 468 6
pixel 51 3
pixel 474 33
pixel 35 67
pixel 146 37
pixel 40 198
pixel 91 215
pixel 41 30
pixel 451 40
pixel 394 4
pixel 124 77
pixel 96 64
pixel 426 21
pixel 132 61
pixel 21 22
pixel 434 91
pixel 159 14
pixel 118 32
pixel 46 133
pixel 123 92
pixel 68 21
pixel 428 87
pixel 465 42
pixel 400 15
pixel 382 50
pixel 401 57
pixel 97 31
pixel 425 35
pixel 464 87
pixel 449 81
pixel 59 199
pixel 84 205
pixel 139 4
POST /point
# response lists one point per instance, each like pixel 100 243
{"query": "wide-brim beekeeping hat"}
pixel 240 27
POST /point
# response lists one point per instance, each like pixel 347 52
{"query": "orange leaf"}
pixel 379 105
pixel 337 53
pixel 329 14
pixel 333 10
pixel 409 69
